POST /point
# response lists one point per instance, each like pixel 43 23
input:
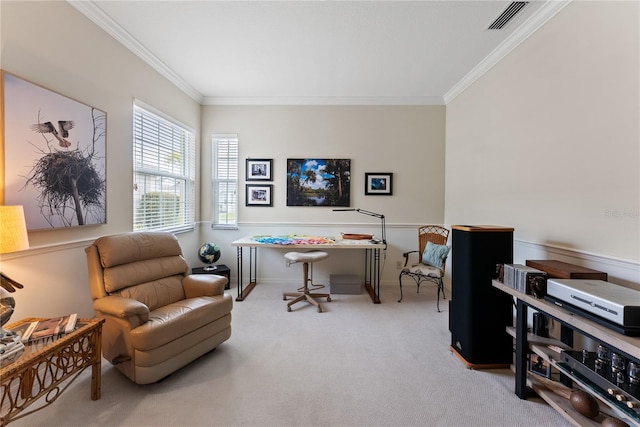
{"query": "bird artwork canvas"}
pixel 55 150
pixel 48 127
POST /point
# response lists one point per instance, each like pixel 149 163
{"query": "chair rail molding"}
pixel 624 272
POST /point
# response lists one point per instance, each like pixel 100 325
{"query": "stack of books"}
pixel 518 276
pixel 47 328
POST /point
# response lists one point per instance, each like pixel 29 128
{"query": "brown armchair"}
pixel 158 317
pixel 431 259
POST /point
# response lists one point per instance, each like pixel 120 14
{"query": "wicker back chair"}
pixel 430 265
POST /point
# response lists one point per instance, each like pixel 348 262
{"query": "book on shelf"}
pixel 519 276
pixel 50 327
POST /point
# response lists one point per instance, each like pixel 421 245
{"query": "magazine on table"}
pixel 50 327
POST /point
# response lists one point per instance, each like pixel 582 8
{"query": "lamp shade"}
pixel 13 229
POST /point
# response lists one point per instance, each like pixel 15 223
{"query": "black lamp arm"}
pixel 374 214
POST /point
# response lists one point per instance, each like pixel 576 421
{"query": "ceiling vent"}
pixel 509 13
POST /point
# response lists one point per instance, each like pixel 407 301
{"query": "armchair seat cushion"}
pixel 425 270
pixel 170 322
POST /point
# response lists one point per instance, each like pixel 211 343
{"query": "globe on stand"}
pixel 209 253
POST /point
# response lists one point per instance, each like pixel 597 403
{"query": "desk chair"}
pixel 303 294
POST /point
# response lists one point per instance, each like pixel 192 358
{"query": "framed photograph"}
pixel 378 183
pixel 539 366
pixel 54 151
pixel 318 182
pixel 259 195
pixel 259 169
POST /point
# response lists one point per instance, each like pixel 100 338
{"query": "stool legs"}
pixel 304 294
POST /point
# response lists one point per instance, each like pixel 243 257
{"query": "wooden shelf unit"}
pixel 570 323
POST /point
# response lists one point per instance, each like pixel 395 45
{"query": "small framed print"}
pixel 259 195
pixel 378 183
pixel 259 169
pixel 539 366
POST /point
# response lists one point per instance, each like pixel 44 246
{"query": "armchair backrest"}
pixel 145 266
pixel 432 233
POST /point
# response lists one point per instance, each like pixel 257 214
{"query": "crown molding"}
pixel 324 100
pixel 89 9
pixel 530 26
pixel 547 11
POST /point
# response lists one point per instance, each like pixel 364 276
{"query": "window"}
pixel 164 173
pixel 225 181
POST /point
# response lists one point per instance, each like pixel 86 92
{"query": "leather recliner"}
pixel 158 318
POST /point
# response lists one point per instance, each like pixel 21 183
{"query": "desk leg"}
pixel 239 271
pixel 372 274
pixel 253 272
pixel 522 350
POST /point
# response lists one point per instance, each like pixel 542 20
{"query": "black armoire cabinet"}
pixel 478 312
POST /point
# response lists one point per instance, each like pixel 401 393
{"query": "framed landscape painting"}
pixel 54 156
pixel 318 182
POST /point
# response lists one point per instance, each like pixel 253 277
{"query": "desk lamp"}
pixel 13 237
pixel 377 215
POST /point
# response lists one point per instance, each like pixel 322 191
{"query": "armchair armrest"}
pixel 406 257
pixel 197 285
pixel 130 310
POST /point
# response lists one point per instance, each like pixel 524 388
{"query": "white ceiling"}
pixel 318 52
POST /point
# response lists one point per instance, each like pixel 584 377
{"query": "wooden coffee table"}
pixel 47 367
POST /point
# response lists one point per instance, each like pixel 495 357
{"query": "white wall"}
pixel 548 141
pixel 405 140
pixel 53 45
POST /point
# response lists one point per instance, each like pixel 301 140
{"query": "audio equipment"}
pixel 608 304
pixel 609 372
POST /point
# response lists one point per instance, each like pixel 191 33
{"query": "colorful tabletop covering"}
pixel 293 240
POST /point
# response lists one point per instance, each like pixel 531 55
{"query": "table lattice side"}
pixel 43 374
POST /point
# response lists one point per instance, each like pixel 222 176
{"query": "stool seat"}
pixel 293 257
pixel 303 294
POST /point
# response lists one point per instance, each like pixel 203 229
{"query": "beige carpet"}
pixel 356 364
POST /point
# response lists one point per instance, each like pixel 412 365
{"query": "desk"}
pixel 371 259
pixel 44 367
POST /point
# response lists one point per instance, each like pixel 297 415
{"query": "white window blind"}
pixel 225 180
pixel 164 173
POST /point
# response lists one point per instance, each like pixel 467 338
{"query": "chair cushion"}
pixel 434 255
pixel 156 293
pixel 175 320
pixel 125 275
pixel 425 270
pixel 131 247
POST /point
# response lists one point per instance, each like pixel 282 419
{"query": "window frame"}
pixel 183 175
pixel 225 177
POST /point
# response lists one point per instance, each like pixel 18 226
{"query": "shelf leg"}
pixel 522 350
pixel 566 336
